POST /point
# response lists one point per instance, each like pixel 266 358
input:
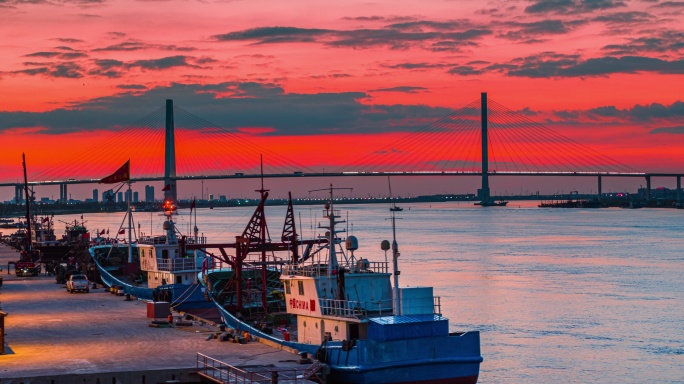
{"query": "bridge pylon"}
pixel 170 192
pixel 484 192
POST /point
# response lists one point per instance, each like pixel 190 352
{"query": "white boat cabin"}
pixel 161 258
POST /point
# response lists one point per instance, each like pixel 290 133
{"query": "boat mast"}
pixel 28 206
pixel 332 259
pixel 395 261
pixel 333 264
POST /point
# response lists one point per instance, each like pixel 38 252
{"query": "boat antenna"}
pixel 332 238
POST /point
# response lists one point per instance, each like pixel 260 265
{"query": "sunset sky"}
pixel 292 76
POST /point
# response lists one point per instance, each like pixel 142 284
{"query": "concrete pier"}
pixel 55 337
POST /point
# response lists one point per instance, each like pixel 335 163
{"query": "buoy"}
pixel 170 318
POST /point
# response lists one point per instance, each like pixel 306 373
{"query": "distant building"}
pixel 211 197
pixel 149 194
pixel 108 196
pixel 119 197
pixel 95 194
pixel 222 198
pixel 135 197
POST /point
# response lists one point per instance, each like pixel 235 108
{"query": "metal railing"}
pixel 321 269
pixel 378 266
pixel 162 240
pixel 342 308
pixel 220 372
pixel 173 265
pixel 152 240
pixel 437 305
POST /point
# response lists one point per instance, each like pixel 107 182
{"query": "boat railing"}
pixel 437 305
pixel 199 240
pixel 308 270
pixel 377 267
pixel 321 269
pixel 152 240
pixel 342 308
pixel 173 265
pixel 218 371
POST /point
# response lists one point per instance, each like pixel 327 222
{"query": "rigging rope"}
pixel 448 144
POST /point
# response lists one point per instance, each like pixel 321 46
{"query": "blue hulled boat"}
pixel 156 268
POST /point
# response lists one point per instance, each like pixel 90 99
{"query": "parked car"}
pixel 78 283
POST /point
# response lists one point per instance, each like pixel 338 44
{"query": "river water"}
pixel 559 295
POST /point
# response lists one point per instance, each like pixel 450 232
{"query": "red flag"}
pixel 167 187
pixel 102 232
pixel 121 174
pixel 46 219
pixel 192 205
pixel 107 231
pixel 121 232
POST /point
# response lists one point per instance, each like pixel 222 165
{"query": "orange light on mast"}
pixel 168 206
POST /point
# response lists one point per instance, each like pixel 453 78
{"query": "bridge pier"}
pixel 63 194
pixel 679 192
pixel 648 187
pixel 18 194
pixel 600 188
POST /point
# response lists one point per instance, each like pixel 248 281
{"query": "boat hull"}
pixel 453 359
pixel 183 297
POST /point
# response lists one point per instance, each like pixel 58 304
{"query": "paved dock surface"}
pixel 50 332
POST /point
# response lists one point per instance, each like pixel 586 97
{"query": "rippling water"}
pixel 559 295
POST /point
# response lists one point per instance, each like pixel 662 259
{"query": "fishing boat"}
pixel 155 268
pixel 348 313
pixel 54 251
pixel 29 260
pixel 492 203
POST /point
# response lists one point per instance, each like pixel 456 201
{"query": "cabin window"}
pixel 165 253
pixel 150 253
pixel 142 253
pixel 287 287
pixel 300 284
pixel 179 279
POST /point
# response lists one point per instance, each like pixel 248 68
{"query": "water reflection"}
pixel 559 295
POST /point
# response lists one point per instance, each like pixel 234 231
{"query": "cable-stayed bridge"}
pixel 482 139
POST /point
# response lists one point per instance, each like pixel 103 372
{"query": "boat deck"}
pixel 52 335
